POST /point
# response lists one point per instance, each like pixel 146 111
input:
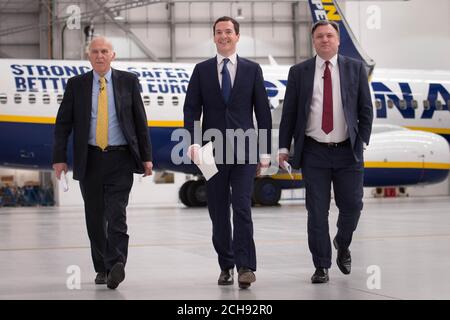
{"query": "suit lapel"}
pixel 310 70
pixel 342 62
pixel 212 69
pixel 117 94
pixel 237 79
pixel 87 94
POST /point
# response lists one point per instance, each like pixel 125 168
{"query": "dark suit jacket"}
pixel 75 114
pixel 248 95
pixel 356 102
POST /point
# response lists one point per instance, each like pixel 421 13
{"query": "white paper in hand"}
pixel 206 162
pixel 288 168
pixel 63 182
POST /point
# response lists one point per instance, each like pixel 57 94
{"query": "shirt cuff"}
pixel 283 150
pixel 264 158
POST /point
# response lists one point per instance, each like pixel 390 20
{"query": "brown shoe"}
pixel 245 277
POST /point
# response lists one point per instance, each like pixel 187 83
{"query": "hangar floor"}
pixel 171 255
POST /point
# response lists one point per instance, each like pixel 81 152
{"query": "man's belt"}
pixel 110 148
pixel 330 144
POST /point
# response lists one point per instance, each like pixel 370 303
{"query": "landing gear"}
pixel 193 193
pixel 266 192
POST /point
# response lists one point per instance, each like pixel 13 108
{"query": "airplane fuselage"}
pixel 31 91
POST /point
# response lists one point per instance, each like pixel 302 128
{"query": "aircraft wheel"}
pixel 196 193
pixel 182 193
pixel 267 192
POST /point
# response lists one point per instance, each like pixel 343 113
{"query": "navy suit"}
pixel 248 95
pixel 321 164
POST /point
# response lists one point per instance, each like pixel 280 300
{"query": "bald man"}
pixel 104 110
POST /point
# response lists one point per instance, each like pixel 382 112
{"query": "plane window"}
pixel 414 104
pixel 17 98
pixel 438 105
pixel 46 98
pixel 426 104
pixel 146 100
pixel 59 98
pixel 403 104
pixel 390 104
pixel 32 98
pixel 3 98
pixel 175 101
pixel 378 104
pixel 160 100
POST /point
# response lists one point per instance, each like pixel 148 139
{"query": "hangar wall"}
pixel 181 31
pixel 411 34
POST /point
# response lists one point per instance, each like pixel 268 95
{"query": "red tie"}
pixel 327 112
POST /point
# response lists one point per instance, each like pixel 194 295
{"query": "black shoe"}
pixel 226 277
pixel 100 278
pixel 320 276
pixel 344 259
pixel 245 277
pixel 116 275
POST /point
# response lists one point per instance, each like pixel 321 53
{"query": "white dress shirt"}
pixel 232 67
pixel 314 122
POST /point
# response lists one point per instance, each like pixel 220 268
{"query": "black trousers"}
pixel 322 166
pixel 234 243
pixel 105 190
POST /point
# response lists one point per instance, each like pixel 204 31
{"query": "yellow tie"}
pixel 101 134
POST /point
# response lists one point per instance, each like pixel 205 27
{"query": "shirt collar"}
pixel 107 75
pixel 232 58
pixel 321 62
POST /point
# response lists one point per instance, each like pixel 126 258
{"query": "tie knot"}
pixel 327 64
pixel 102 80
pixel 225 61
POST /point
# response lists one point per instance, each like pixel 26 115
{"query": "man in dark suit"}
pixel 227 89
pixel 104 110
pixel 328 111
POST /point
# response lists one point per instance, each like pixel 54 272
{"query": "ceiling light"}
pixel 118 17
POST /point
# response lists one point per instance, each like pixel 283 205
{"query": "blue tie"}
pixel 226 81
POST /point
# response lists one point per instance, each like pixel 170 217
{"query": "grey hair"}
pixel 102 38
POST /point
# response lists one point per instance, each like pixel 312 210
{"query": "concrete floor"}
pixel 171 255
